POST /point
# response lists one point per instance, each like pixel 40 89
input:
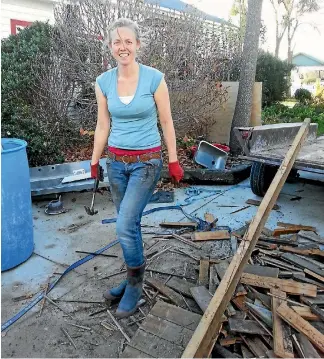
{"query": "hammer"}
pixel 90 211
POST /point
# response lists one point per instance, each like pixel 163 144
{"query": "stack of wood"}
pixel 276 308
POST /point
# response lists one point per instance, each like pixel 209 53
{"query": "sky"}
pixel 307 39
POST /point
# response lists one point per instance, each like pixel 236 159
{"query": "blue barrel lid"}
pixel 12 145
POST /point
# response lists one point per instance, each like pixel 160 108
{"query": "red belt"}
pixel 135 158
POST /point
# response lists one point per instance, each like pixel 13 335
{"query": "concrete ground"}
pixel 57 238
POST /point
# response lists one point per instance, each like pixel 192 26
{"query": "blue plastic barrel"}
pixel 17 238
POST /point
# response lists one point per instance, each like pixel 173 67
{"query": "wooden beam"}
pixel 305 252
pixel 168 292
pixel 205 335
pixel 283 347
pixel 287 285
pixel 299 226
pixel 314 275
pixel 203 272
pixel 301 325
pixel 208 236
pixel 305 312
pixel 289 230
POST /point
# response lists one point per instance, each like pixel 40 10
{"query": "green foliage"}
pixel 274 75
pixel 303 96
pixel 279 113
pixel 18 54
pixel 25 113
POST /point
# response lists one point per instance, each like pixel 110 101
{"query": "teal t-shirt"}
pixel 133 126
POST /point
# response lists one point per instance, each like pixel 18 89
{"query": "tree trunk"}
pixel 278 41
pixel 243 106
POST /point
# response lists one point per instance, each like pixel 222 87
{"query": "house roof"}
pixel 302 59
pixel 179 5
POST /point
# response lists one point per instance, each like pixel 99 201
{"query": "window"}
pixel 17 25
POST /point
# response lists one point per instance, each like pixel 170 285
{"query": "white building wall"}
pixel 24 10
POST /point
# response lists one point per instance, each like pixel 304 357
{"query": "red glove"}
pixel 97 172
pixel 94 170
pixel 175 171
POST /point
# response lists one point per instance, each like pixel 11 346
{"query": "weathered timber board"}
pixel 180 285
pixel 281 331
pixel 301 325
pixel 203 272
pixel 246 327
pixel 176 315
pixel 286 285
pixel 302 263
pixel 164 333
pixel 261 270
pixel 168 292
pixel 155 346
pixel 169 331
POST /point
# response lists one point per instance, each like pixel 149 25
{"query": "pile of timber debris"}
pixel 275 310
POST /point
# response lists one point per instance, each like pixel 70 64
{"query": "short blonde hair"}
pixel 123 22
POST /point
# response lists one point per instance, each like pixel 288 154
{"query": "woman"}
pixel 133 95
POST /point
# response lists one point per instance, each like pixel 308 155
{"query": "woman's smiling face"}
pixel 124 45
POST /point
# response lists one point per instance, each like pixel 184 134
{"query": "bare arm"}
pixel 102 128
pixel 162 101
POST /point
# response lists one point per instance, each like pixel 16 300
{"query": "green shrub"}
pixel 279 113
pixel 274 75
pixel 27 112
pixel 303 96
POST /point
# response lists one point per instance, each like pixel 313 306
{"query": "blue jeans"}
pixel 131 186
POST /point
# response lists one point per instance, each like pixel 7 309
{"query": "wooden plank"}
pixel 280 264
pixel 180 285
pixel 239 301
pixel 166 291
pixel 230 311
pixel 178 224
pixel 263 271
pixel 307 347
pixel 212 235
pixel 176 315
pixel 131 352
pixel 246 352
pixel 315 275
pixel 203 272
pixel 305 252
pixel 302 263
pixel 154 345
pixel 283 347
pixel 220 352
pixel 305 312
pixel 167 330
pixel 299 226
pixel 318 311
pixel 301 325
pixel 201 296
pixel 257 203
pixel 288 230
pixel 221 269
pixel 319 300
pixel 186 241
pixel 213 279
pixel 229 340
pixel 289 286
pixel 206 334
pixel 256 346
pixel 311 236
pixel 300 277
pixel 245 326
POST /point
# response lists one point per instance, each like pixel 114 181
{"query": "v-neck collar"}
pixel 137 87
